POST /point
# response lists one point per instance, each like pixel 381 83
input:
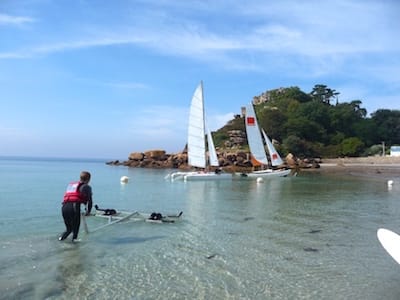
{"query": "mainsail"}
pixel 256 144
pixel 197 133
pixel 196 130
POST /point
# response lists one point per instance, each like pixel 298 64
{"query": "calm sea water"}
pixel 307 237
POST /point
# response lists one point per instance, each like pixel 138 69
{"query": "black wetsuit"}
pixel 71 212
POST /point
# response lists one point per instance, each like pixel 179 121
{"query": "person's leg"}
pixel 67 213
pixel 76 221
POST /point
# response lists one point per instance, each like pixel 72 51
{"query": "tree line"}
pixel 317 124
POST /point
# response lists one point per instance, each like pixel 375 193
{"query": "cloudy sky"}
pixel 82 78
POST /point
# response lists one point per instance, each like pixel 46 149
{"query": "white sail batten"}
pixel 274 156
pixel 196 130
pixel 256 144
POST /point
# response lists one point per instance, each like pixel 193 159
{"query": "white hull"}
pixel 267 173
pixel 390 242
pixel 193 176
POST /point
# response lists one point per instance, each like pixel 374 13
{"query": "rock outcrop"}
pixel 231 161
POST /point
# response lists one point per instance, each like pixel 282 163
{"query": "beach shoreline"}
pixel 362 166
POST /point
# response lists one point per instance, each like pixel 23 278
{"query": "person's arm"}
pixel 87 191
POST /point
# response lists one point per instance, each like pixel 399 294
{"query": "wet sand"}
pixel 385 167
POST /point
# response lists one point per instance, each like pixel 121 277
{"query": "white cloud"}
pixel 159 125
pixel 163 125
pixel 216 121
pixel 13 20
pixel 13 55
pixel 319 35
pixel 311 39
pixel 127 85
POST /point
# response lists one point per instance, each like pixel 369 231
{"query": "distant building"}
pixel 243 110
pixel 395 151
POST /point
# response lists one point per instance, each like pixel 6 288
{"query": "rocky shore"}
pixel 158 159
pixel 240 161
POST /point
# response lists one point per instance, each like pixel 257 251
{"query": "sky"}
pixel 102 79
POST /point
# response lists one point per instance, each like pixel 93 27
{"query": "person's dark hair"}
pixel 85 176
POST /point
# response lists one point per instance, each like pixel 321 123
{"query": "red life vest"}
pixel 72 194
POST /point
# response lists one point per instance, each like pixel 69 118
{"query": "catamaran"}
pixel 197 152
pixel 113 216
pixel 257 149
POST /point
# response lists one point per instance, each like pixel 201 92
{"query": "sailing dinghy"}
pixel 257 149
pixel 197 152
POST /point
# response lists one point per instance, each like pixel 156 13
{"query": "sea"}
pixel 310 236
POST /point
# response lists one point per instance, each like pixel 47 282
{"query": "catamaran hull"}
pixel 267 174
pixel 207 176
pixel 198 176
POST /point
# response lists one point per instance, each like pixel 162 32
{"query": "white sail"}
pixel 274 156
pixel 211 150
pixel 256 144
pixel 197 154
pixel 196 131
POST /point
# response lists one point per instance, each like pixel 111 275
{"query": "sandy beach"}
pixel 385 167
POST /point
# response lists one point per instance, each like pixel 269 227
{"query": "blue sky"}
pixel 103 79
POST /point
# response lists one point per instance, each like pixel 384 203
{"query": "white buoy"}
pixel 124 179
pixel 259 180
pixel 390 185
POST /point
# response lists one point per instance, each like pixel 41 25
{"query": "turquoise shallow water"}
pixel 307 237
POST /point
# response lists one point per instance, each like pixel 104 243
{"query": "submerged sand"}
pixel 362 166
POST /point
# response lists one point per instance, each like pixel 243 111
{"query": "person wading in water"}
pixel 77 193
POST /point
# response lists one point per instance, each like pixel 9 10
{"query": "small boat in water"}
pixel 197 152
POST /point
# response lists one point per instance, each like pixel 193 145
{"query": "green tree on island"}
pixel 315 124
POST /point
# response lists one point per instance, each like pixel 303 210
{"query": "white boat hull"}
pixel 267 173
pixel 390 242
pixel 197 176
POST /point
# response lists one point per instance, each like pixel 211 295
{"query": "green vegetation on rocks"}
pixel 317 124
